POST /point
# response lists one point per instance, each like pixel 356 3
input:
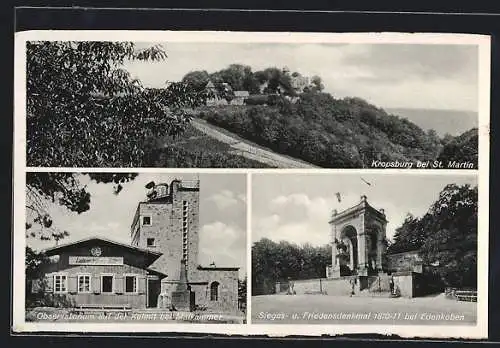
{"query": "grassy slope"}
pixel 194 149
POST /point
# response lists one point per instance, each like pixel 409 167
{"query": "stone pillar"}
pixel 182 297
pixel 351 253
pixel 362 259
pixel 335 265
pixel 382 246
pixel 362 247
pixel 380 250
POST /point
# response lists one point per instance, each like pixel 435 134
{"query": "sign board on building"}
pixel 95 260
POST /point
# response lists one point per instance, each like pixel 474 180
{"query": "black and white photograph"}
pixel 129 247
pixel 395 249
pixel 238 104
pixel 251 183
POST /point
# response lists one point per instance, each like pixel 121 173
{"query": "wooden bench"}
pixel 102 308
pixel 466 295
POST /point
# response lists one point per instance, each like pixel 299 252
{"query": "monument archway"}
pixel 347 250
pixel 358 240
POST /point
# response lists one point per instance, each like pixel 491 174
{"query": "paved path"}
pixel 248 149
pixel 323 309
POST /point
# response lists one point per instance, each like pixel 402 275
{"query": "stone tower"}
pixel 168 222
pixel 358 237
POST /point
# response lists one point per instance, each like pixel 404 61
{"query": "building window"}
pixel 146 220
pixel 214 291
pixel 84 283
pixel 131 284
pixel 107 284
pixel 150 242
pixel 60 283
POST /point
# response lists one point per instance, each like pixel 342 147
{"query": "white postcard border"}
pixel 480 330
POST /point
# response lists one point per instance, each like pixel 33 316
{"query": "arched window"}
pixel 214 291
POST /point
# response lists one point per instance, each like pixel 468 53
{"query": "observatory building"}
pixel 159 269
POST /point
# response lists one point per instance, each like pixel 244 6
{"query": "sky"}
pixel 428 76
pixel 222 215
pixel 297 207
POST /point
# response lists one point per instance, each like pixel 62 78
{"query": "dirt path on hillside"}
pixel 248 149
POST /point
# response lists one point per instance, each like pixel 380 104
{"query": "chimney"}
pixel 382 211
pixel 363 198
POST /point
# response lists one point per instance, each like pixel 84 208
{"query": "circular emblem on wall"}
pixel 96 251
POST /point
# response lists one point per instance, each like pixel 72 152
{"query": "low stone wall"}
pixel 308 286
pixel 378 284
pixel 338 287
pixel 406 284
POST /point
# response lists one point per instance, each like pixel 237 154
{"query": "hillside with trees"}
pixel 328 132
pixel 289 113
pixel 446 236
pixel 461 148
pixel 240 77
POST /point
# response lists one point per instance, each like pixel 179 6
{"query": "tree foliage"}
pixel 34 263
pixel 461 148
pixel 84 109
pixel 272 262
pixel 409 236
pixel 240 77
pixel 196 79
pixel 64 189
pixel 317 84
pixel 446 235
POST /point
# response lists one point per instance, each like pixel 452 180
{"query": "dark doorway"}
pixel 107 284
pixel 154 289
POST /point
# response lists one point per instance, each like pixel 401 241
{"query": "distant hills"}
pixel 454 122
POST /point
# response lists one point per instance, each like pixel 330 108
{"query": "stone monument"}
pixel 358 241
pixel 182 298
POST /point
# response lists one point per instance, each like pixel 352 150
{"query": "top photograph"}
pixel 251 100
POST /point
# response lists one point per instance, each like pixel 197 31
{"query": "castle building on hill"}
pixel 159 269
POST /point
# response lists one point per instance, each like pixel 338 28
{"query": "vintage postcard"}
pixel 391 258
pixel 251 183
pixel 135 247
pixel 248 100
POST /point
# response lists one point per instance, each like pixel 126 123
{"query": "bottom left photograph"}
pixel 135 247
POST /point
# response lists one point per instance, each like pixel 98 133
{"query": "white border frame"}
pixel 480 330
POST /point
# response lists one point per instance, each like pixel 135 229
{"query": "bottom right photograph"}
pixel 345 248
